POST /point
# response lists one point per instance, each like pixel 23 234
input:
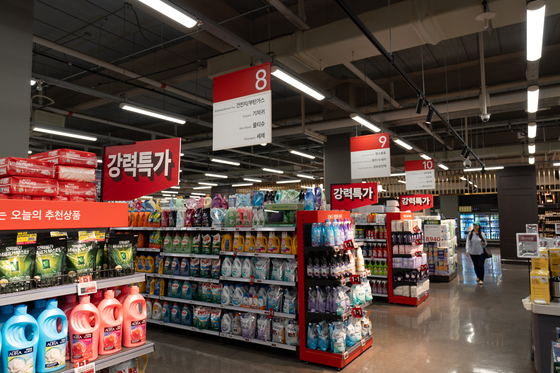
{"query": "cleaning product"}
pixel 273 243
pixel 5 313
pixel 19 353
pixel 71 301
pixel 150 265
pixel 51 350
pixel 286 244
pixel 125 291
pixel 261 243
pixel 239 217
pixel 187 247
pixel 186 315
pixel 96 298
pixel 176 314
pixel 309 201
pixel 167 243
pixel 184 243
pixel 152 286
pixel 141 263
pixel 84 337
pixel 149 306
pixel 40 305
pixel 185 267
pixel 157 310
pixel 110 326
pixel 250 243
pixel 177 242
pixel 227 242
pixel 134 324
pixel 238 242
pixel 176 266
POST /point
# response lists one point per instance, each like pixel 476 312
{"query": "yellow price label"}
pixel 100 236
pixel 86 236
pixel 24 238
pixel 59 234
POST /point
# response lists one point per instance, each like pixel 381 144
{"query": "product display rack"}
pixel 412 301
pixel 216 229
pixel 361 243
pixel 305 219
pixel 452 248
pixel 549 215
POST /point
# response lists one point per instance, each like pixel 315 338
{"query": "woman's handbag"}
pixel 487 252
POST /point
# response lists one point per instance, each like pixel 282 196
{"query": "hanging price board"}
pixel 356 279
pixel 349 245
pixel 357 312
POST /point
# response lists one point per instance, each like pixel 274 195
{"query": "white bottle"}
pixel 236 325
pixel 149 308
pixel 359 260
pixel 157 310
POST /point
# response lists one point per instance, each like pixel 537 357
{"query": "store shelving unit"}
pixel 305 219
pixel 549 215
pixel 489 224
pixel 212 229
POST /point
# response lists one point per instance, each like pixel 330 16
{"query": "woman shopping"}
pixel 475 249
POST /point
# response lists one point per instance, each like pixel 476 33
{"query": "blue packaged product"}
pixel 186 291
pixel 18 353
pixel 194 286
pixel 176 314
pixel 195 267
pixel 40 306
pixel 176 266
pixel 51 350
pixel 312 336
pixel 166 312
pixel 186 315
pixel 185 267
pixel 175 289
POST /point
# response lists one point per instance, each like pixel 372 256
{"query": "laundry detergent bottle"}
pixel 83 331
pixel 110 325
pixel 134 322
pixel 125 291
pixel 67 307
pixel 53 331
pixel 40 305
pixel 96 298
pixel 18 353
pixel 273 243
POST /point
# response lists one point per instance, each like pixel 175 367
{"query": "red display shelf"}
pixel 390 216
pixel 304 221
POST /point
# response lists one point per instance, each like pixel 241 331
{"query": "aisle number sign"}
pixel 242 108
pixel 416 202
pixel 370 156
pixel 420 175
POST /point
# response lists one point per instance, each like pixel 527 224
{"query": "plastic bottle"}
pixel 186 315
pixel 325 270
pixel 176 266
pixel 236 325
pixel 125 291
pixel 149 305
pixel 286 244
pixel 17 352
pixel 238 242
pixel 184 243
pixel 40 305
pixel 239 217
pixel 84 337
pixel 110 326
pixel 273 243
pixel 176 314
pixel 227 242
pixel 166 312
pixel 309 270
pixel 317 267
pixel 134 323
pixel 237 297
pixel 336 232
pixel 167 243
pixel 309 201
pixel 150 265
pixel 51 350
pixel 315 235
pixel 141 263
pixel 177 242
pixel 157 310
pixel 250 243
pixel 96 298
pixel 5 313
pixel 71 301
pixel 329 234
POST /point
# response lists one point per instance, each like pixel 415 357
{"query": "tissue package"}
pixel 29 186
pixel 71 173
pixel 75 189
pixel 68 157
pixel 12 166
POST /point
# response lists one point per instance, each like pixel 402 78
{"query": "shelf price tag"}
pixel 363 342
pixel 418 242
pixel 271 313
pixel 86 285
pixel 83 366
pixel 252 280
pixel 25 238
pixel 349 244
pixel 357 312
pixel 356 279
pixel 345 355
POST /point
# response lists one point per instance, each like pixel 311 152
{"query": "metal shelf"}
pixel 184 278
pixel 148 249
pixel 106 361
pixel 257 281
pixel 380 295
pixel 261 312
pixel 57 291
pixel 263 255
pixel 217 229
pixel 377 276
pixel 258 341
pixel 182 255
pixel 184 327
pixel 365 240
pixel 181 300
pixel 371 224
pixel 375 259
pixel 330 316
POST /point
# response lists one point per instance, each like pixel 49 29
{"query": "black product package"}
pixel 121 251
pixel 17 263
pixel 50 260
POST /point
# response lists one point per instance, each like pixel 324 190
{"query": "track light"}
pixel 485 168
pixel 535 26
pixel 151 113
pixel 225 161
pixel 296 83
pixel 442 166
pixel 531 148
pixel 63 133
pixel 531 160
pixel 302 154
pixel 419 105
pixel 402 144
pixel 172 11
pixel 272 170
pixel 430 116
pixel 533 99
pixel 364 122
pixel 532 130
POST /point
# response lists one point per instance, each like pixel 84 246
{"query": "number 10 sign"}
pixel 420 175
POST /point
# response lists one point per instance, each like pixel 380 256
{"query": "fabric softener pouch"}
pixel 16 261
pixel 121 249
pixel 50 257
pixel 82 253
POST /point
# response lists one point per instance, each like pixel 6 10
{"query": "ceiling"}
pixel 127 35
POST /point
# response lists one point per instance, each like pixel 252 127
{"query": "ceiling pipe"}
pixel 290 16
pixel 350 66
pixel 485 117
pixel 117 69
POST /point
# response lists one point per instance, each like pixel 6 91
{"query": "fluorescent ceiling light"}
pixel 99 161
pixel 216 175
pixel 365 123
pixel 266 190
pixel 486 168
pixel 296 83
pixel 306 176
pixel 531 160
pixel 241 185
pixel 63 133
pixel 533 99
pixel 253 180
pixel 225 162
pixel 402 144
pixel 170 192
pixel 462 178
pixel 535 27
pixel 33 81
pixel 198 194
pixel 210 184
pixel 171 11
pixel 556 164
pixel 29 152
pixel 151 113
pixel 264 144
pixel 273 211
pixel 167 195
pixel 273 170
pixel 531 148
pixel 288 181
pixel 302 154
pixel 399 174
pixel 402 181
pixel 441 165
pixel 204 187
pixel 175 187
pixel 532 130
pixel 146 197
pixel 426 157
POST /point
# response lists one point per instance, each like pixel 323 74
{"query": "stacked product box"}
pixel 22 178
pixel 442 257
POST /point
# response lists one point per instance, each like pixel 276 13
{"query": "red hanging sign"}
pixel 348 245
pixel 357 312
pixel 417 202
pixel 356 279
pixel 351 196
pixel 132 171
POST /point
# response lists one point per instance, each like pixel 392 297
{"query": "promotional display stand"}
pixel 381 244
pixel 305 219
pixel 441 249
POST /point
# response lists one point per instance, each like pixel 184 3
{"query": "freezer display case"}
pixel 489 224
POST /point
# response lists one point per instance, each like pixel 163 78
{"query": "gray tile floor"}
pixel 462 327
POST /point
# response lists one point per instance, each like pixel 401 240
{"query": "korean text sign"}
pixel 420 175
pixel 29 215
pixel 351 196
pixel 242 108
pixel 417 202
pixel 132 171
pixel 370 156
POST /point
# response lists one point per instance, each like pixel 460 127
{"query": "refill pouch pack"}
pixel 324 338
pixel 262 269
pixel 50 257
pixel 321 300
pixel 16 261
pixel 248 325
pixel 215 319
pixel 277 273
pixel 312 336
pixel 121 250
pixel 206 268
pixel 195 267
pixel 290 301
pixel 216 244
pixel 292 332
pixel 216 293
pixel 206 292
pixel 274 298
pixel 312 300
pixel 278 330
pixel 263 328
pixel 350 334
pixel 206 244
pixel 338 337
pixel 215 268
pixel 82 253
pixel 290 270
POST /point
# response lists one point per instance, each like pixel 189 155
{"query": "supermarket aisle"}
pixel 461 328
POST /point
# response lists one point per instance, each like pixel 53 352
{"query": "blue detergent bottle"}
pixel 166 312
pixel 18 353
pixel 51 353
pixel 309 201
pixel 5 313
pixel 40 306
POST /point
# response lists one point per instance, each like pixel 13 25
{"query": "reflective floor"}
pixel 462 327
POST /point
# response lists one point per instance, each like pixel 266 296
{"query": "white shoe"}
pixel 477 279
pixel 480 282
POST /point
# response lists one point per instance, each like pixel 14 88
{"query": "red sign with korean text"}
pixel 351 196
pixel 28 215
pixel 132 171
pixel 416 202
pixel 242 83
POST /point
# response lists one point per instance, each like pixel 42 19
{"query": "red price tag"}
pixel 271 313
pixel 418 253
pixel 234 253
pixel 357 312
pixel 252 280
pixel 84 367
pixel 356 279
pixel 80 363
pixel 416 229
pixel 348 245
pixel 84 279
pixel 418 242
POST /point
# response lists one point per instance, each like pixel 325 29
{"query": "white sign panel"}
pixel 242 108
pixel 420 175
pixel 370 156
pixel 432 232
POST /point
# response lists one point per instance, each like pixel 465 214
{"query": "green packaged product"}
pixel 50 257
pixel 16 261
pixel 121 249
pixel 82 254
pixel 216 244
pixel 206 244
pixel 196 244
pixel 100 237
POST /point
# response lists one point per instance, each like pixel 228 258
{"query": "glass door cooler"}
pixel 489 225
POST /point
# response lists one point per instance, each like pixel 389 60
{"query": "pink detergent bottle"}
pixel 111 316
pixel 83 337
pixel 134 321
pixel 125 291
pixel 96 298
pixel 70 301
